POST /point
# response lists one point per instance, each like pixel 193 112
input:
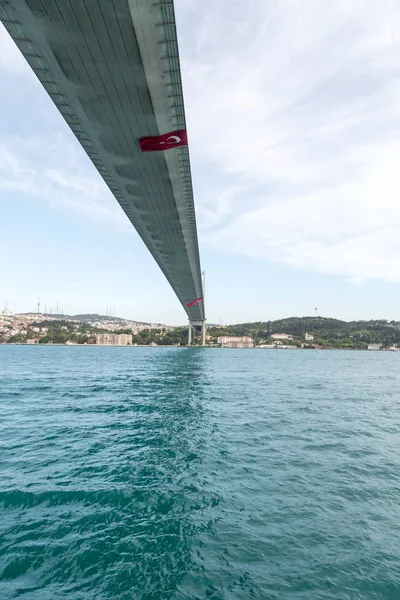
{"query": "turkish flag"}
pixel 195 301
pixel 158 143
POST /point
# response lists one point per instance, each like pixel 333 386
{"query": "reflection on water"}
pixel 109 472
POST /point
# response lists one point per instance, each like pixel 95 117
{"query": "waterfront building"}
pixel 114 339
pixel 228 341
pixel 281 336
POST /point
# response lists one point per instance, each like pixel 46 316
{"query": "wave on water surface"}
pixel 176 473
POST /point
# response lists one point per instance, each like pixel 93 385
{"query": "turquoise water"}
pixel 168 473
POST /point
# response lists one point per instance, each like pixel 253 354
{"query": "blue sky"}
pixel 293 112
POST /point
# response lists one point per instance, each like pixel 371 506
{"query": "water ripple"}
pixel 159 474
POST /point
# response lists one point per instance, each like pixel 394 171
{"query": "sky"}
pixel 293 116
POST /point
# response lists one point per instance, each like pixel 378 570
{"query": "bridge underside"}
pixel 112 69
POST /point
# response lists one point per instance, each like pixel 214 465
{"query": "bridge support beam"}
pixel 203 333
pixel 192 331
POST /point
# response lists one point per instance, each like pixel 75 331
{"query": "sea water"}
pixel 172 473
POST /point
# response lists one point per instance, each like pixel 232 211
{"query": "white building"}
pixel 114 339
pixel 230 341
pixel 281 336
pixel 374 346
pixel 309 337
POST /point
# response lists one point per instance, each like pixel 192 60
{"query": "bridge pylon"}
pixel 192 329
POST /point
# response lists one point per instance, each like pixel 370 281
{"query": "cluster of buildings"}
pixel 12 325
pixel 280 340
pixel 380 346
pixel 116 324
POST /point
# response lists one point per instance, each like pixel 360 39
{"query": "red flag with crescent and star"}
pixel 159 143
pixel 195 301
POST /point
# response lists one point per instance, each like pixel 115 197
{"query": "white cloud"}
pixel 46 163
pixel 352 229
pixel 296 107
pixel 53 169
pixel 294 121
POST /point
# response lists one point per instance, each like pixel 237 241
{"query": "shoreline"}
pixel 206 347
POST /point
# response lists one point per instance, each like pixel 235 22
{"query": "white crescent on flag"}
pixel 166 141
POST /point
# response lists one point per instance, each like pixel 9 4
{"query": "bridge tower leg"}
pixel 203 323
pixel 192 331
pixel 203 333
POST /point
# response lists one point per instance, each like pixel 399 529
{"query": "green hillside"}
pixel 331 333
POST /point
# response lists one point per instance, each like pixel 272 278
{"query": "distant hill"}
pixel 94 317
pixel 90 317
pixel 326 331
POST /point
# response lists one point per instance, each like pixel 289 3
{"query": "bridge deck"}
pixel 112 69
